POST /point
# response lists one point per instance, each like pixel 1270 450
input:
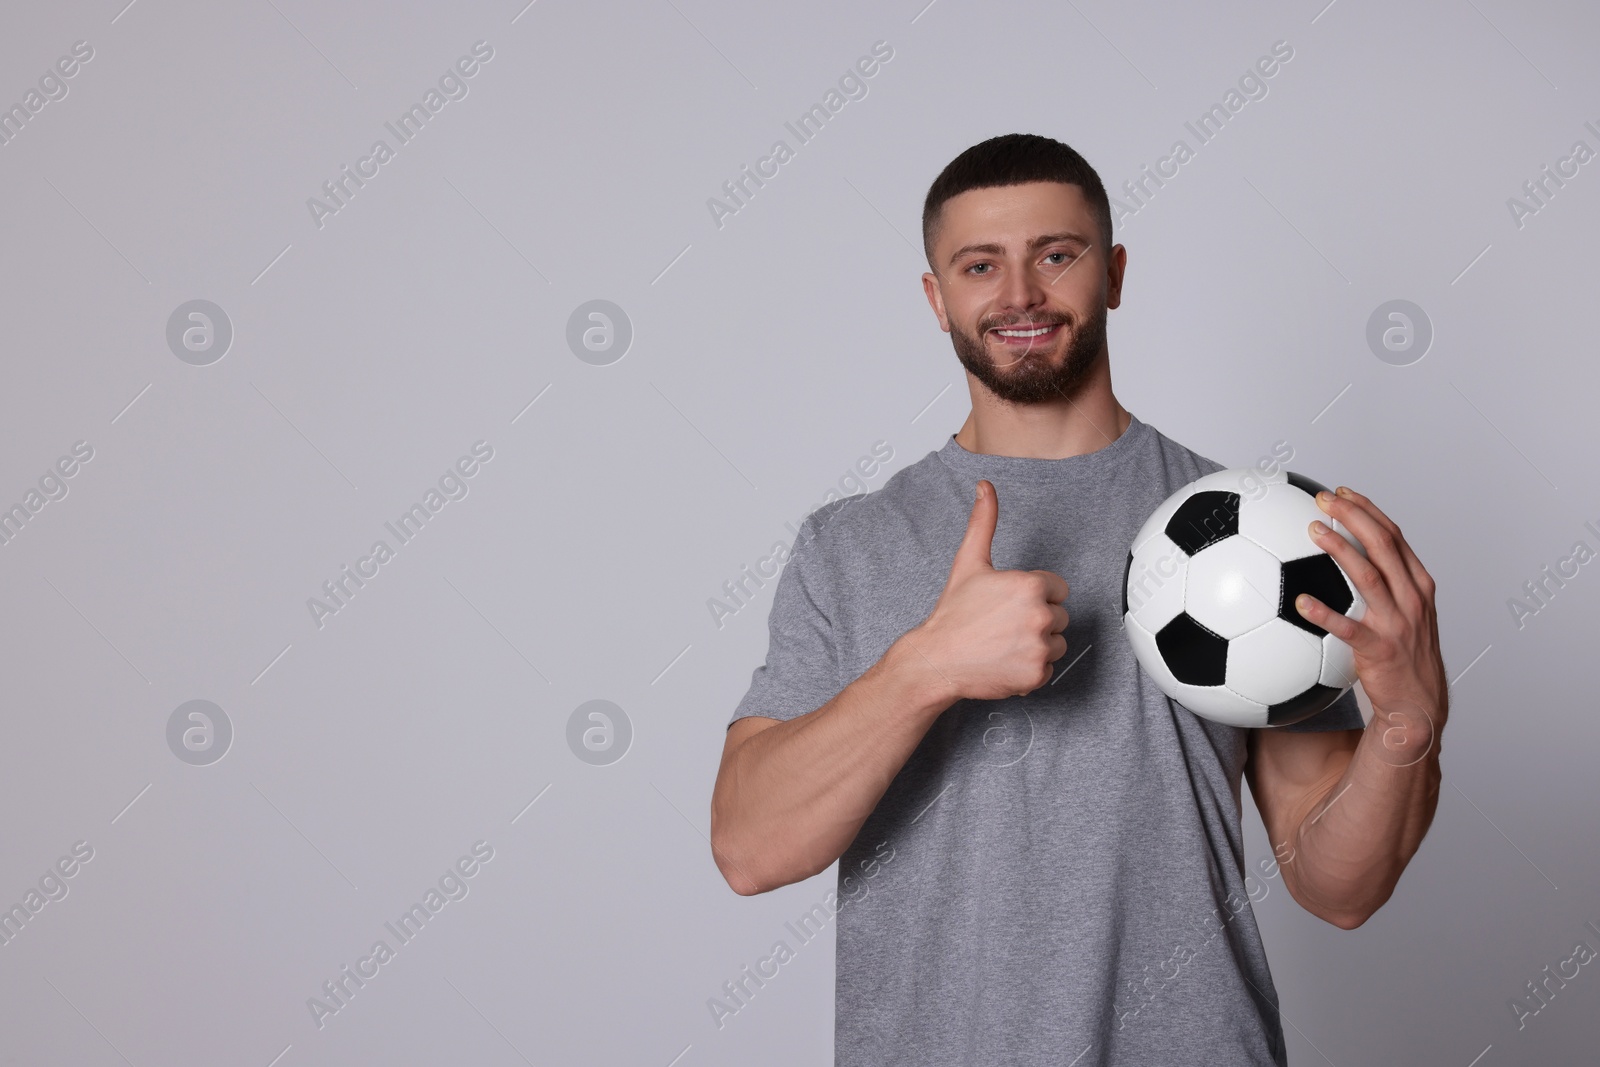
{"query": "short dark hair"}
pixel 1012 159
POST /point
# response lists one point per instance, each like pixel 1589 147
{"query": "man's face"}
pixel 1023 286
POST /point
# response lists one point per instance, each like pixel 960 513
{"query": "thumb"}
pixel 973 553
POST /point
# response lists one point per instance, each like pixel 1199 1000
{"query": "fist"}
pixel 994 634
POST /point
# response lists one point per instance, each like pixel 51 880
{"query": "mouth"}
pixel 1026 334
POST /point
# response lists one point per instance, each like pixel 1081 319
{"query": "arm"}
pixel 791 795
pixel 1344 812
pixel 1352 806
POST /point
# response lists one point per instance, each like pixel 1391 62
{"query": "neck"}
pixel 1087 422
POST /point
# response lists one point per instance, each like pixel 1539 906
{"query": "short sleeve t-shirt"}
pixel 1050 879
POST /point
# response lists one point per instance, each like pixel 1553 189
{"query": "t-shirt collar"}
pixel 1033 471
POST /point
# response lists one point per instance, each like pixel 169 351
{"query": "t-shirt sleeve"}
pixel 1343 714
pixel 1206 464
pixel 801 672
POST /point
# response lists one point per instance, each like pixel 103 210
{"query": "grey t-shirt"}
pixel 1050 879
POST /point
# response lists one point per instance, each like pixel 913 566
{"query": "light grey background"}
pixel 768 355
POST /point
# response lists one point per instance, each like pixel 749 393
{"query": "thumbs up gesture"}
pixel 993 634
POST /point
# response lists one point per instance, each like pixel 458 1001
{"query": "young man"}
pixel 1040 856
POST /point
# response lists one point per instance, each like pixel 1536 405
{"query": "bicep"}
pixel 1289 772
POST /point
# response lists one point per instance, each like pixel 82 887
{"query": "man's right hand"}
pixel 993 634
pixel 792 794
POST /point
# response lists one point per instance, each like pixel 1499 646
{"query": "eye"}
pixel 1063 255
pixel 975 266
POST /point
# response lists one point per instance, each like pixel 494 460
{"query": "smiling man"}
pixel 1040 854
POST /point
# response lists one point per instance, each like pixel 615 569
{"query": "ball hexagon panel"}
pixel 1273 663
pixel 1223 705
pixel 1277 518
pixel 1233 586
pixel 1153 586
pixel 1338 663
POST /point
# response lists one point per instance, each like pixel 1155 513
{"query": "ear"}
pixel 1116 265
pixel 930 287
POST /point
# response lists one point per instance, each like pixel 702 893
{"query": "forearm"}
pixel 1351 847
pixel 794 795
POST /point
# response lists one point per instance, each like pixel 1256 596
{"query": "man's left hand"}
pixel 1396 641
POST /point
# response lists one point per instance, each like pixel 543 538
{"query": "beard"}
pixel 1033 378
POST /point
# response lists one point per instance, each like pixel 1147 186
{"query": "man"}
pixel 1040 854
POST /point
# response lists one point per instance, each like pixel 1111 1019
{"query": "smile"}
pixel 1012 335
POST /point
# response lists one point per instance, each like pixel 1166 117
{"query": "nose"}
pixel 1023 292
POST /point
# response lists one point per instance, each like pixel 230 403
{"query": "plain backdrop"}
pixel 771 348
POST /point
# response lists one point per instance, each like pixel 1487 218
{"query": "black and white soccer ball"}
pixel 1208 599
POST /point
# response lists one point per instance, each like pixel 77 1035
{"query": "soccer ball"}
pixel 1208 599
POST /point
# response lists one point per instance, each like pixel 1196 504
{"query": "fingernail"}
pixel 1344 490
pixel 1317 529
pixel 1324 498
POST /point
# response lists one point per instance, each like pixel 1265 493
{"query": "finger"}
pixel 1373 573
pixel 1386 547
pixel 973 552
pixel 1353 633
pixel 1055 587
pixel 1376 531
pixel 1419 573
pixel 1058 619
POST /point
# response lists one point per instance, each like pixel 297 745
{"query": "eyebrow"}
pixel 1036 243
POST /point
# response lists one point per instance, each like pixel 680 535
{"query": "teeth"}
pixel 1025 333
